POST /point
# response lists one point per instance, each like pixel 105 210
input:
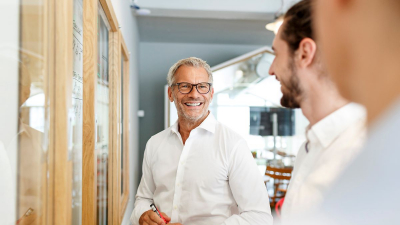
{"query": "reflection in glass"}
pixel 102 119
pixel 34 117
pixel 75 114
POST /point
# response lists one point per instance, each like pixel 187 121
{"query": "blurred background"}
pixel 232 36
pixel 235 39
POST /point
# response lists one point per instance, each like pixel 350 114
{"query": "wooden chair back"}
pixel 281 177
pixel 279 173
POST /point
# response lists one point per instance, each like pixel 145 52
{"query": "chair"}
pixel 278 207
pixel 281 178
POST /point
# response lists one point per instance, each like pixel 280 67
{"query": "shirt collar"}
pixel 208 124
pixel 174 127
pixel 330 127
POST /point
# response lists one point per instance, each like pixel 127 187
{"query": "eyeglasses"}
pixel 186 88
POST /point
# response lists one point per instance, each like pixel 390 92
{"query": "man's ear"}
pixel 171 99
pixel 306 52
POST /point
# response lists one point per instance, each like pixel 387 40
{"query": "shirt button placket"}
pixel 178 181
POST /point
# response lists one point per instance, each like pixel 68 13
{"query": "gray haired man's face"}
pixel 192 106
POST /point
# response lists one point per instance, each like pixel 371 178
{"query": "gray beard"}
pixel 188 118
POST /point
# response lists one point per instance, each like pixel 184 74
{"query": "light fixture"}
pixel 238 74
pixel 274 26
pixel 140 11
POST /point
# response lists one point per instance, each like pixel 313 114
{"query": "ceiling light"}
pixel 238 74
pixel 274 26
pixel 140 11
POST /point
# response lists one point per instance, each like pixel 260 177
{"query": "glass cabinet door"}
pixel 57 139
pixel 124 131
pixel 102 118
pixel 25 112
pixel 75 116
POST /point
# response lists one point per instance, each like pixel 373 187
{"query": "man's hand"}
pixel 151 218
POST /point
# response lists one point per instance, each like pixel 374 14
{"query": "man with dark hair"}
pixel 337 127
pixel 361 42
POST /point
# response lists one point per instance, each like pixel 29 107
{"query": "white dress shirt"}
pixel 368 193
pixel 332 144
pixel 212 179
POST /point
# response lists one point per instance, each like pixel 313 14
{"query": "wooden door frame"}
pixel 63 64
pixel 89 167
pixel 90 51
pixel 63 70
pixel 59 15
pixel 115 154
pixel 125 73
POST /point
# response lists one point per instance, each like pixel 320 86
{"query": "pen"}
pixel 154 208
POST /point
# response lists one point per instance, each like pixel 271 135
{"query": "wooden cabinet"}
pixel 65 156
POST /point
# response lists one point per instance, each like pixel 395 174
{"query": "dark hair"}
pixel 297 24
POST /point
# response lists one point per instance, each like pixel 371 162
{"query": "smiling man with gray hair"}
pixel 199 171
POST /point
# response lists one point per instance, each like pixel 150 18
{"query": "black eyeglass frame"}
pixel 178 84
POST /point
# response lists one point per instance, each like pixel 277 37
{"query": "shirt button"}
pixel 175 207
pixel 178 184
pixel 182 163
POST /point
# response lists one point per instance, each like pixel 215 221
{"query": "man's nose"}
pixel 194 93
pixel 271 71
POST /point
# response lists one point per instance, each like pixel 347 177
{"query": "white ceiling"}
pixel 260 6
pixel 209 21
pixel 213 31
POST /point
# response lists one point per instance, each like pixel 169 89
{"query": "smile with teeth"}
pixel 193 104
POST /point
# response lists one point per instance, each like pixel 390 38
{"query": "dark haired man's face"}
pixel 284 69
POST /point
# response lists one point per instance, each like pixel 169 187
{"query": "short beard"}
pixel 291 99
pixel 188 118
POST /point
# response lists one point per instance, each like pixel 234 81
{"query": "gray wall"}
pixel 127 21
pixel 155 59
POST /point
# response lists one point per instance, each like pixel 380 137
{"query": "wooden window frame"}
pixel 63 69
pixel 89 170
pixel 60 169
pixel 125 73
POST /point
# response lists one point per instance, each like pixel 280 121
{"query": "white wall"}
pixel 128 24
pixel 9 43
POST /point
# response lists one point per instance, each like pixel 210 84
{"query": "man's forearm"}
pixel 141 206
pixel 250 218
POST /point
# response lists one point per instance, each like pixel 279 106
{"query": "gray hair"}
pixel 191 61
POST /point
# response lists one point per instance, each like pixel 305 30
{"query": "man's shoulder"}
pixel 353 137
pixel 228 133
pixel 157 138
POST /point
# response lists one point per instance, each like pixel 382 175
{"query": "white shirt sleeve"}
pixel 144 195
pixel 248 189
